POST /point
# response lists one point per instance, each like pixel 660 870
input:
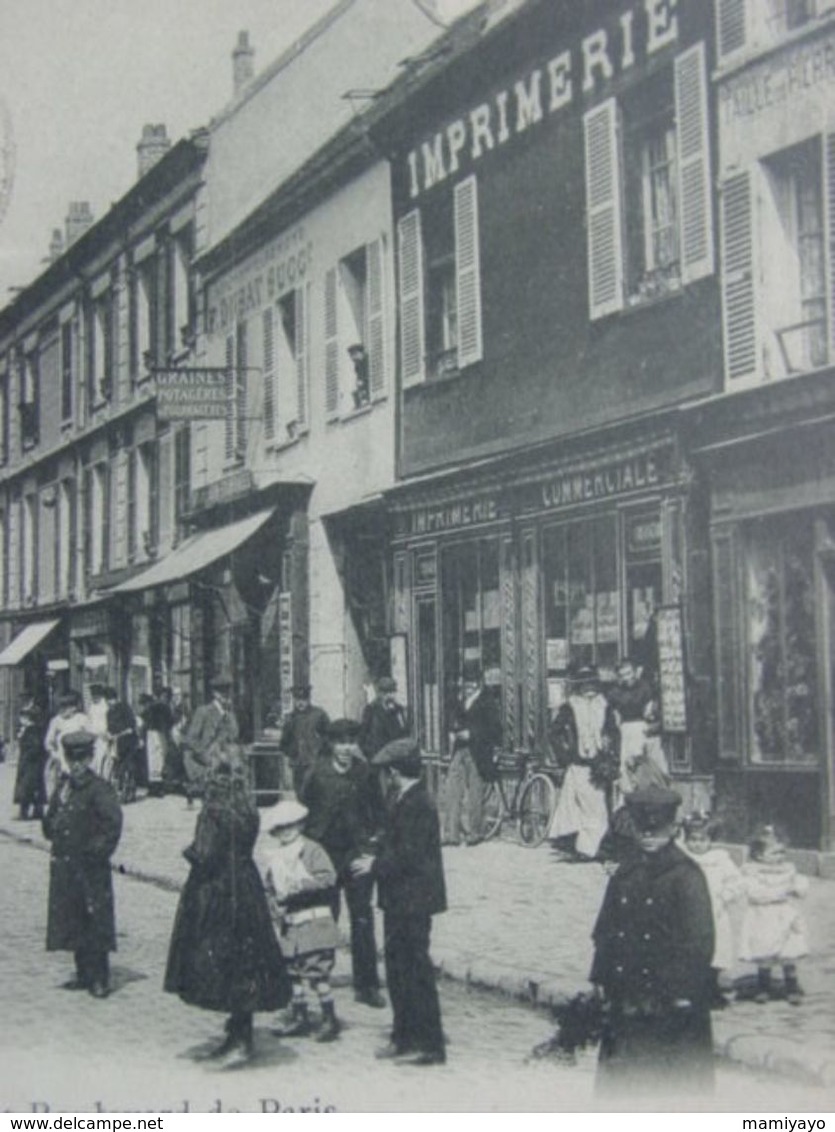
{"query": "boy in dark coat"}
pixel 653 948
pixel 410 883
pixel 84 823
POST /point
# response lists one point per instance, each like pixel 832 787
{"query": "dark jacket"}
pixel 483 720
pixel 223 953
pixel 346 810
pixel 84 823
pixel 408 867
pixel 29 787
pixel 303 737
pixel 210 729
pixel 381 724
pixel 562 735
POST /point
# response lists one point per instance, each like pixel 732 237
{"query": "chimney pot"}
pixel 79 219
pixel 243 62
pixel 153 145
pixel 56 245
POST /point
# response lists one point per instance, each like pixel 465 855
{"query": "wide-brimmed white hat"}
pixel 283 813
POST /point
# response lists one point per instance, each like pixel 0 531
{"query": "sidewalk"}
pixel 520 923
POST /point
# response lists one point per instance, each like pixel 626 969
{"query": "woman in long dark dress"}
pixel 224 954
pixel 30 785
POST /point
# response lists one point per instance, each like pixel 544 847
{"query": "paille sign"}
pixel 192 394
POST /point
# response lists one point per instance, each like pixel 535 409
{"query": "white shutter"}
pixel 692 141
pixel 301 356
pixel 269 373
pixel 603 211
pixel 120 511
pixel 829 210
pixel 13 591
pixel 738 305
pixel 331 347
pixel 165 486
pixel 467 272
pixel 376 326
pixel 231 399
pixel 411 297
pixel 730 26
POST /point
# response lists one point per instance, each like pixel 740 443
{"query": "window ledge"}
pixel 354 414
pixel 641 303
pixel 283 445
pixel 67 424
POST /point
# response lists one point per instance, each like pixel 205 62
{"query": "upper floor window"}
pixel 30 396
pixel 648 191
pixel 237 374
pixel 285 366
pixel 759 24
pixel 67 372
pixel 101 344
pixel 4 416
pixel 775 263
pixel 354 331
pixel 440 286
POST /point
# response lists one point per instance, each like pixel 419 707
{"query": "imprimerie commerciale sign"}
pixel 192 394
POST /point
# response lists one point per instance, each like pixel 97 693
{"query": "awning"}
pixel 26 640
pixel 195 554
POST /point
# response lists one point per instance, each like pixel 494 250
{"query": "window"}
pixel 182 291
pixel 30 549
pixel 354 333
pixel 30 383
pixel 96 519
pixel 236 393
pixel 4 417
pixel 67 518
pixel 440 286
pixel 67 372
pixel 147 498
pixel 648 191
pixel 781 641
pixel 761 24
pixel 182 474
pixel 131 508
pixel 285 367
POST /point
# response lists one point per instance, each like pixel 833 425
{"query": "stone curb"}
pixel 776 1056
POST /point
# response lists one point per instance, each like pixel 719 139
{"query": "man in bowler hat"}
pixel 411 890
pixel 653 948
pixel 303 735
pixel 213 727
pixel 83 823
pixel 383 719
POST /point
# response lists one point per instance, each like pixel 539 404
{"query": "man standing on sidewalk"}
pixel 303 735
pixel 383 719
pixel 84 823
pixel 410 882
pixel 213 727
pixel 345 812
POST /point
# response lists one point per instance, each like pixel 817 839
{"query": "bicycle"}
pixel 532 805
pixel 119 770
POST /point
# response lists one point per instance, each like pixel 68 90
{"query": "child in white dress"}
pixel 773 928
pixel 724 882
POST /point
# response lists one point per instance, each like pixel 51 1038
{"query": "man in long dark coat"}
pixel 30 787
pixel 84 823
pixel 383 720
pixel 411 889
pixel 653 949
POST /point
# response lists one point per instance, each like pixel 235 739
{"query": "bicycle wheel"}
pixel 494 811
pixel 536 805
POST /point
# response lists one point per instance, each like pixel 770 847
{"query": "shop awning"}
pixel 195 554
pixel 26 640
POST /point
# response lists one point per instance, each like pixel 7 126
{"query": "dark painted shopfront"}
pixel 520 570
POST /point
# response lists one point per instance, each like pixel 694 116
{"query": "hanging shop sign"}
pixel 671 669
pixel 192 394
pixel 285 623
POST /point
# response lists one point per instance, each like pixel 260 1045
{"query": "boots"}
pixel 763 985
pixel 299 1024
pixel 236 1047
pixel 794 994
pixel 331 1026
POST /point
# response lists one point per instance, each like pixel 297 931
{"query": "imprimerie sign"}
pixel 192 394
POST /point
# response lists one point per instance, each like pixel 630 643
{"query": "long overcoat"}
pixel 653 948
pixel 409 866
pixel 223 953
pixel 30 785
pixel 83 823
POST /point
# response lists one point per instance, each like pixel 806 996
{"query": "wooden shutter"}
pixel 467 272
pixel 165 490
pixel 107 526
pixel 121 511
pixel 301 356
pixel 829 209
pixel 728 659
pixel 331 346
pixel 269 373
pixel 133 324
pixel 738 307
pixel 241 382
pixel 603 210
pixel 692 141
pixel 231 399
pixel 376 323
pixel 730 26
pixel 410 244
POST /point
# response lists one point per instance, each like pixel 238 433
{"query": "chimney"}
pixel 56 245
pixel 153 145
pixel 79 219
pixel 243 66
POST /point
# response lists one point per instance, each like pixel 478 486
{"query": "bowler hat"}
pixel 78 745
pixel 221 683
pixel 342 730
pixel 300 689
pixel 403 754
pixel 386 684
pixel 284 813
pixel 653 807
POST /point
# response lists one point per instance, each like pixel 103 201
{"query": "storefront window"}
pixel 582 600
pixel 781 642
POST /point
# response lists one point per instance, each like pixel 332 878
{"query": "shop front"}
pixel 520 572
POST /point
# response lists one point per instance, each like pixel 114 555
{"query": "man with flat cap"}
pixel 411 890
pixel 303 735
pixel 383 719
pixel 213 728
pixel 83 823
pixel 345 807
pixel 653 948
